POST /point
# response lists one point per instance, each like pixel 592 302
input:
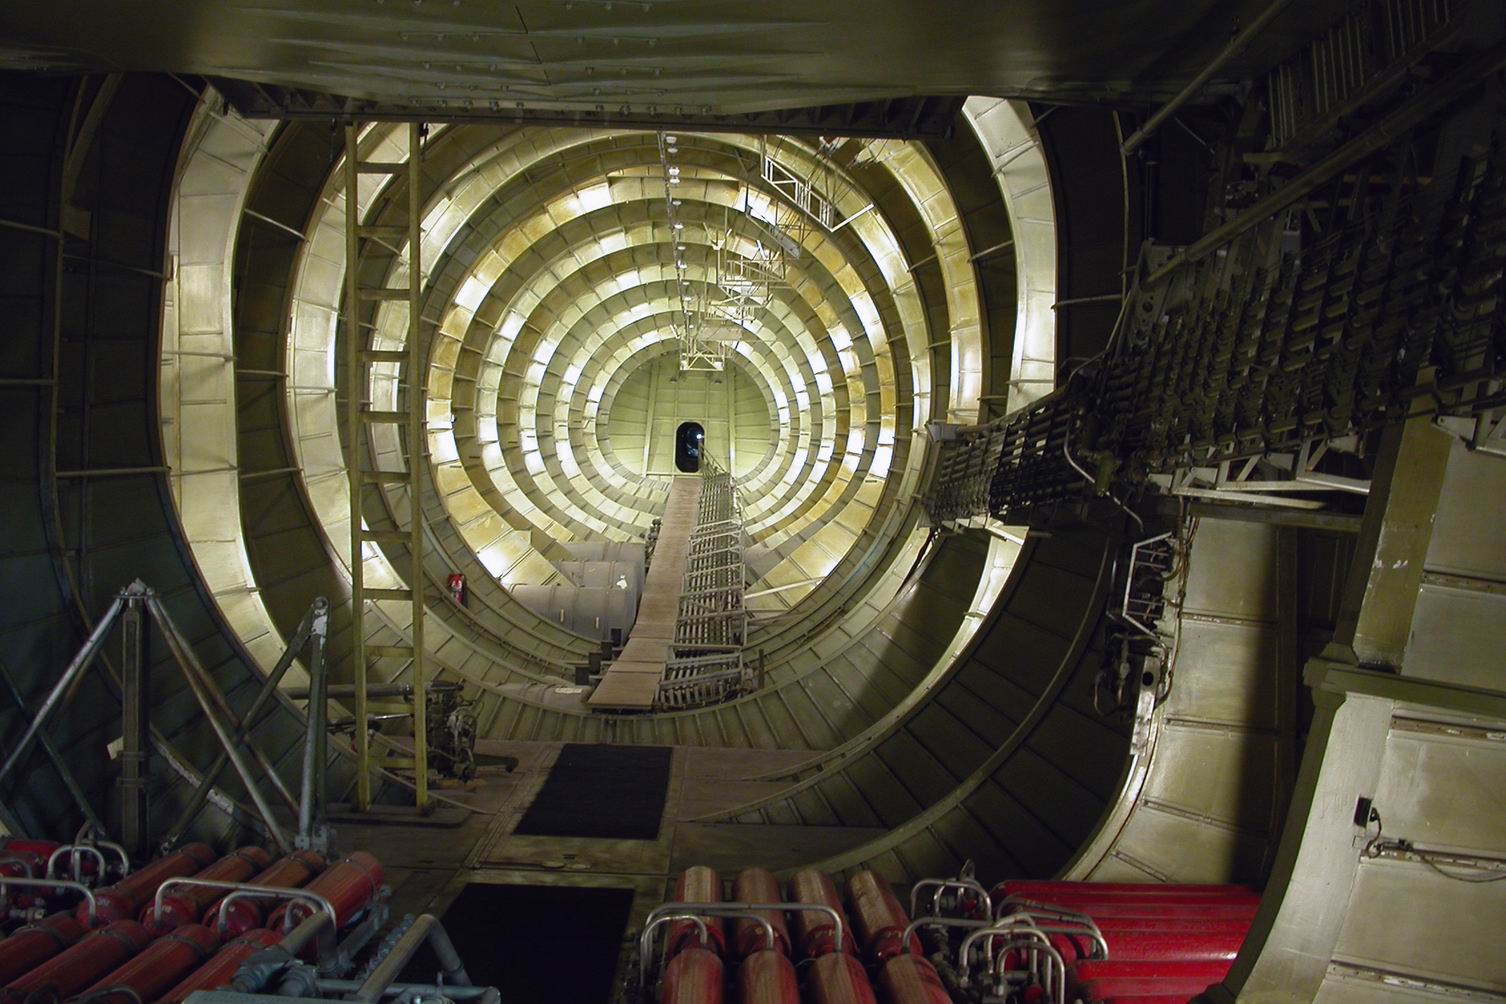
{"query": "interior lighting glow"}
pixel 511 325
pixel 595 197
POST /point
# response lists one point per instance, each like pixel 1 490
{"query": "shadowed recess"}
pixel 595 790
pixel 497 931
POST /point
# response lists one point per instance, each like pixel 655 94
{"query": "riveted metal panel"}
pixel 1462 542
pixel 1458 636
pixel 1432 942
pixel 1443 790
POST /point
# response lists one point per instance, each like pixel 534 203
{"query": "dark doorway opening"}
pixel 600 790
pixel 690 440
pixel 535 943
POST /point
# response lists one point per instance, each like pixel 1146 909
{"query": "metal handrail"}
pixel 1052 955
pixel 997 929
pixel 85 838
pixel 646 938
pixel 1044 911
pixel 941 885
pixel 937 921
pixel 428 930
pixel 722 909
pixel 74 851
pixel 1101 946
pixel 244 890
pixel 51 883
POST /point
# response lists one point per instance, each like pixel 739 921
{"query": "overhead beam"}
pixel 923 118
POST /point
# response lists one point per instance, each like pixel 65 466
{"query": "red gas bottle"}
pixel 697 884
pixel 247 914
pixel 350 886
pixel 162 963
pixel 758 885
pixel 814 933
pixel 36 943
pixel 838 978
pixel 185 904
pixel 695 976
pixel 909 979
pixel 879 918
pixel 767 978
pixel 95 954
pixel 220 970
pixel 30 857
pixel 124 899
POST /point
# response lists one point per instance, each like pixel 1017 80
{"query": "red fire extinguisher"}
pixel 457 588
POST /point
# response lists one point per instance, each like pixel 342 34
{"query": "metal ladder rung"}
pixel 384 355
pixel 380 167
pixel 373 593
pixel 384 417
pixel 394 762
pixel 386 478
pixel 385 293
pixel 386 536
pixel 381 230
pixel 394 651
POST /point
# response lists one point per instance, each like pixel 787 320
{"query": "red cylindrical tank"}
pixel 1099 910
pixel 220 970
pixel 29 861
pixel 838 978
pixel 34 852
pixel 879 918
pixel 814 933
pixel 758 885
pixel 695 976
pixel 1172 925
pixel 184 904
pixel 1037 889
pixel 1154 946
pixel 697 884
pixel 36 943
pixel 162 963
pixel 95 954
pixel 1114 969
pixel 767 978
pixel 30 857
pixel 909 979
pixel 242 915
pixel 349 886
pixel 124 899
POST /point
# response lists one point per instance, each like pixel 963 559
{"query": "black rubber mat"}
pixel 536 944
pixel 597 790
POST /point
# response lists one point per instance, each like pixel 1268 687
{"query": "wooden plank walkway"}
pixel 632 682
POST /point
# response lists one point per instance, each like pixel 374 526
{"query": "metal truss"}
pixel 1371 53
pixel 706 664
pixel 917 118
pixel 1283 479
pixel 815 196
pixel 712 320
pixel 133 607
